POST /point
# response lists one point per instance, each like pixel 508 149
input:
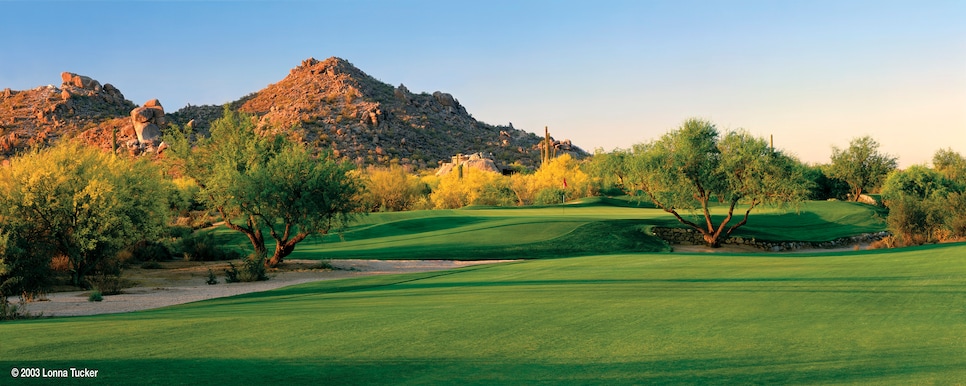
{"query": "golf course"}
pixel 590 298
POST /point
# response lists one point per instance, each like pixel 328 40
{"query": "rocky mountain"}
pixel 326 104
pixel 80 107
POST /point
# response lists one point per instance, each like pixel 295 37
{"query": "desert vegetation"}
pixel 595 294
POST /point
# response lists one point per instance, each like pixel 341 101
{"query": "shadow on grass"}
pixel 592 238
pixel 705 368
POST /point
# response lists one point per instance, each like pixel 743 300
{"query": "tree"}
pixel 608 170
pixel 951 164
pixel 559 177
pixel 80 203
pixel 924 206
pixel 862 166
pixel 454 191
pixel 270 182
pixel 689 167
pixel 391 188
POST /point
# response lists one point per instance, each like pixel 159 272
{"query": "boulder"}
pixel 148 120
pixel 445 99
pixel 85 82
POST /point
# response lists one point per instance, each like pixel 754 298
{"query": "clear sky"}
pixel 603 73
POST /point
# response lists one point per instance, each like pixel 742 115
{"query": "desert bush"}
pixel 82 203
pixel 561 173
pixel 253 268
pixel 151 265
pixel 231 273
pixel 185 196
pixel 476 187
pixel 95 296
pixel 106 277
pixel 607 171
pixel 212 280
pixel 201 246
pixel 60 263
pixel 924 207
pixel 391 189
pixel 146 250
pixel 25 271
pixel 550 196
pixel 178 232
pixel 911 222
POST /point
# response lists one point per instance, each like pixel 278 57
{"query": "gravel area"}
pixel 185 283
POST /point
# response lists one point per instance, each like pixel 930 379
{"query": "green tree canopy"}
pixel 271 183
pixel 862 166
pixel 951 164
pixel 917 182
pixel 81 203
pixel 687 168
pixel 609 170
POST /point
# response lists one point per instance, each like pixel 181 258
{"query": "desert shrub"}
pixel 231 273
pixel 561 173
pixel 146 250
pixel 178 232
pixel 201 246
pixel 253 268
pixel 455 192
pixel 924 207
pixel 549 196
pixel 151 265
pixel 184 196
pixel 82 203
pixel 956 220
pixel 107 277
pixel 95 296
pixel 607 171
pixel 25 271
pixel 212 280
pixel 391 189
pixel 910 222
pixel 60 263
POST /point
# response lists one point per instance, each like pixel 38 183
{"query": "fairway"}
pixel 887 317
pixel 593 226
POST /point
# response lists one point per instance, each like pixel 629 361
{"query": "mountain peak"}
pixel 333 104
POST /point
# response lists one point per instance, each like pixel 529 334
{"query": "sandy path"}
pixel 160 288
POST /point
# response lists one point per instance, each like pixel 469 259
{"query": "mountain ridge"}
pixel 325 104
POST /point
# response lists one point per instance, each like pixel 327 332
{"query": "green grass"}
pixel 884 317
pixel 590 226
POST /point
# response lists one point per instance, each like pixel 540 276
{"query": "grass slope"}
pixel 590 226
pixel 893 317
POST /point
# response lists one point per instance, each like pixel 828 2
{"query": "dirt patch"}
pixel 184 282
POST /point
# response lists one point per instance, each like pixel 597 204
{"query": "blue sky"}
pixel 605 74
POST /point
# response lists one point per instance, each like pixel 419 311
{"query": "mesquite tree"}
pixel 263 182
pixel 689 168
pixel 862 166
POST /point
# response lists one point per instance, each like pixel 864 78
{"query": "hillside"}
pixel 326 104
pixel 80 107
pixel 333 104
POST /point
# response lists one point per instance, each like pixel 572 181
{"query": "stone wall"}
pixel 686 236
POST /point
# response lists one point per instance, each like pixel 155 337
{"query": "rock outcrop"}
pixel 148 121
pixel 80 108
pixel 477 161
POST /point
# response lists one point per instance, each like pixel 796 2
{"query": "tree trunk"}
pixel 711 240
pixel 283 248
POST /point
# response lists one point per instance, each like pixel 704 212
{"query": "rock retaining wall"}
pixel 685 236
